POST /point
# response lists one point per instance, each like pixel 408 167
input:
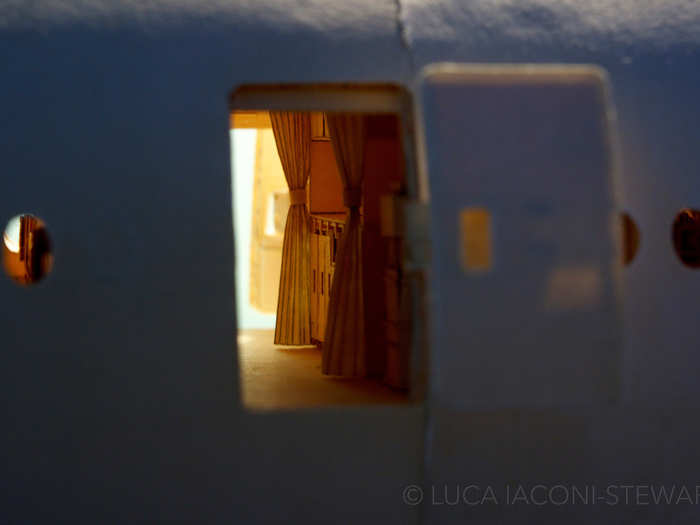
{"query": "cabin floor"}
pixel 275 377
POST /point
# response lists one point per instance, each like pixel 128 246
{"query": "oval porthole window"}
pixel 26 249
pixel 686 237
pixel 630 239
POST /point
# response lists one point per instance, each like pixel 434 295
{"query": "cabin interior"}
pixel 322 315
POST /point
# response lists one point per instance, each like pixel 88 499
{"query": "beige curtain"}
pixel 344 340
pixel 293 138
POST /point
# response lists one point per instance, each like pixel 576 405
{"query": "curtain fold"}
pixel 344 341
pixel 292 132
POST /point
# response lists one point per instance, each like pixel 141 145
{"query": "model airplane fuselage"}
pixel 548 362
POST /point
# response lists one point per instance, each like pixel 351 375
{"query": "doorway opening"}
pixel 326 306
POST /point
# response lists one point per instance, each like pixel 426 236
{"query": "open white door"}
pixel 523 223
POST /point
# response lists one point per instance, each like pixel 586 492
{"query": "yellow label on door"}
pixel 475 233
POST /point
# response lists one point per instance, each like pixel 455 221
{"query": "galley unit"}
pixel 326 230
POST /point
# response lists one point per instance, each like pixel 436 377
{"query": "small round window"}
pixel 686 237
pixel 630 239
pixel 26 249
